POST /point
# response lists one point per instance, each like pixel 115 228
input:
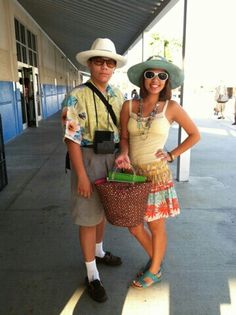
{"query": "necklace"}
pixel 144 123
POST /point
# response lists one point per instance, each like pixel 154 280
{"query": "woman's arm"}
pixel 176 113
pixel 179 115
pixel 122 160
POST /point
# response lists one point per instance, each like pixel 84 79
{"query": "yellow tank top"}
pixel 142 147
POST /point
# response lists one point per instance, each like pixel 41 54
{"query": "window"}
pixel 25 45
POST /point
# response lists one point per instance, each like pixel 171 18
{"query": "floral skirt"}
pixel 162 202
pixel 162 199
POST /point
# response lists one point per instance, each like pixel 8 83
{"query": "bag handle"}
pixel 113 179
pixel 104 100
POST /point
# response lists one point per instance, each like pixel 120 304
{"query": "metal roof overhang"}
pixel 74 24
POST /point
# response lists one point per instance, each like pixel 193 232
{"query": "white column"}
pixel 183 162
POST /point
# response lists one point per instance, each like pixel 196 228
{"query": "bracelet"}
pixel 172 157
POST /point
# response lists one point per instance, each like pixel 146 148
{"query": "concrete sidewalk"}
pixel 41 267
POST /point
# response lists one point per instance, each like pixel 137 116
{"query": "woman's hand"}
pixel 84 187
pixel 162 155
pixel 123 161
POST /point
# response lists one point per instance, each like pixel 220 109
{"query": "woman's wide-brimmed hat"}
pixel 176 75
pixel 101 47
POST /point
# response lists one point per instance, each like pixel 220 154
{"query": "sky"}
pixel 210 39
pixel 210 57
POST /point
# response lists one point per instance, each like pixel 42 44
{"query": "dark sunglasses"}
pixel 163 76
pixel 98 61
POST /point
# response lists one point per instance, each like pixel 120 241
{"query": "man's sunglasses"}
pixel 98 61
pixel 163 76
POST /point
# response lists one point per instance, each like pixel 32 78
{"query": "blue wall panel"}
pixel 43 102
pixel 52 99
pixel 60 99
pixel 10 106
pixel 20 112
pixel 52 106
pixel 61 93
pixel 8 110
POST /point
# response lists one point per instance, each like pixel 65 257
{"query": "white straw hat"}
pixel 101 47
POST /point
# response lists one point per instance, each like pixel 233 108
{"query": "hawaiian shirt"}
pixel 79 114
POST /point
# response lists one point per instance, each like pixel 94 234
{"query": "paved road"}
pixel 41 267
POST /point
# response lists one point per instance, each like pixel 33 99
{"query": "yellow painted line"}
pixel 149 301
pixel 230 309
pixel 71 304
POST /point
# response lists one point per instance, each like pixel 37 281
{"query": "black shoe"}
pixel 234 123
pixel 220 117
pixel 109 260
pixel 96 290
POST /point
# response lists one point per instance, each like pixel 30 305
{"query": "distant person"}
pixel 134 94
pixel 234 123
pixel 221 99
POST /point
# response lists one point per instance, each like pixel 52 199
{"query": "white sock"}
pixel 99 250
pixel 92 271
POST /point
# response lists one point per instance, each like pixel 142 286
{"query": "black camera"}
pixel 103 142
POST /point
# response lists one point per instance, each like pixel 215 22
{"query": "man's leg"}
pixel 220 116
pixel 234 123
pixel 102 256
pixel 100 228
pixel 87 235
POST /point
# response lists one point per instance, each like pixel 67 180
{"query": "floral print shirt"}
pixel 79 114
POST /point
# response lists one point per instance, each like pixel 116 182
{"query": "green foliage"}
pixel 167 48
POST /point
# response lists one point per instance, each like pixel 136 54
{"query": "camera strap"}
pixel 104 100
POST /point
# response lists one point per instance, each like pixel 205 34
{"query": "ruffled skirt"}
pixel 162 199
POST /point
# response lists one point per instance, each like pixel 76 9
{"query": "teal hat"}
pixel 156 62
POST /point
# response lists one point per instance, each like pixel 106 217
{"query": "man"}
pixel 221 99
pixel 83 114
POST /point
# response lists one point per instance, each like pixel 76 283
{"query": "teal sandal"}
pixel 140 283
pixel 146 268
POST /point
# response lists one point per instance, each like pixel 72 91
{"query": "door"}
pixel 30 96
pixel 23 94
pixel 37 95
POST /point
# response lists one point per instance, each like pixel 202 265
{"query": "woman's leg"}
pixel 159 243
pixel 143 237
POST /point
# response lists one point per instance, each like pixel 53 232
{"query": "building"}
pixel 34 73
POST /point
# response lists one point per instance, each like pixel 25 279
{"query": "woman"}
pixel 84 113
pixel 145 125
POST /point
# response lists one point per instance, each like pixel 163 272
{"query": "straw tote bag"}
pixel 124 202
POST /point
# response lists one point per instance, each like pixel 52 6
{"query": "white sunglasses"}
pixel 163 76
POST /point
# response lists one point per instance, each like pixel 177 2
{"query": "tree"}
pixel 170 48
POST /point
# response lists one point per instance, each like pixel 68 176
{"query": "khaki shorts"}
pixel 89 211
